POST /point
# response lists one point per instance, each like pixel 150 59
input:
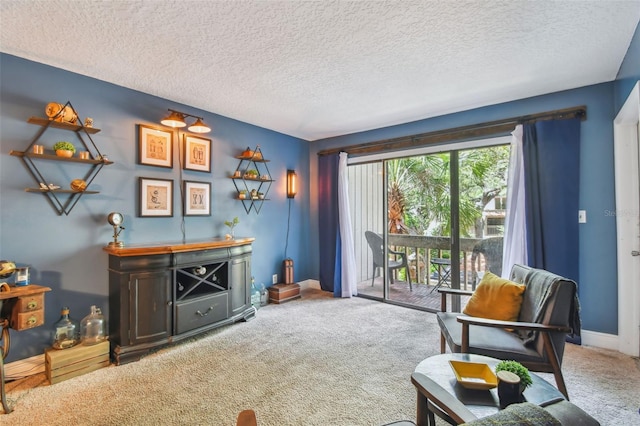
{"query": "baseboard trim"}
pixel 24 367
pixel 599 340
pixel 315 284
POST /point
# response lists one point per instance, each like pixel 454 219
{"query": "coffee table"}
pixel 481 403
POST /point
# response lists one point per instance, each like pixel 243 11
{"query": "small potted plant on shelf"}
pixel 251 174
pixel 242 194
pixel 64 149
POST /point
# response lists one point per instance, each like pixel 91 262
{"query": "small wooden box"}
pixel 63 364
pixel 280 293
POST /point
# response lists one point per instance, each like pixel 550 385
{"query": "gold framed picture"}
pixel 156 197
pixel 155 146
pixel 197 153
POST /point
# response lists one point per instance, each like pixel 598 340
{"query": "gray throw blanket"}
pixel 518 414
pixel 542 287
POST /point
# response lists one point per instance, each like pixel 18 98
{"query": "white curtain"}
pixel 348 259
pixel 514 249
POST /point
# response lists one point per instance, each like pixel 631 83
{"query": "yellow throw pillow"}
pixel 495 298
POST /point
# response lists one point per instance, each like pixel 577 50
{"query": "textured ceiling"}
pixel 316 69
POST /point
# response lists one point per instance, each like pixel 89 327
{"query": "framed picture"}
pixel 155 146
pixel 156 197
pixel 197 153
pixel 197 200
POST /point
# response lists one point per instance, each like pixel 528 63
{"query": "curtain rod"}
pixel 458 133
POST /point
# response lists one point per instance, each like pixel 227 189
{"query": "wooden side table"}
pixel 21 308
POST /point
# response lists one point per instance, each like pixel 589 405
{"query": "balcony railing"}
pixel 421 249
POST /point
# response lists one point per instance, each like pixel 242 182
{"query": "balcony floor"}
pixel 420 297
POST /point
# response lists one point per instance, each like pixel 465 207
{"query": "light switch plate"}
pixel 582 216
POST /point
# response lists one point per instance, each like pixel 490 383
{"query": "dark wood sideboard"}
pixel 166 292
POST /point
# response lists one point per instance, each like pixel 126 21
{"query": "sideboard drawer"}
pixel 202 311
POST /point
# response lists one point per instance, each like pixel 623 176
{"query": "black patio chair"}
pixel 376 244
pixel 491 250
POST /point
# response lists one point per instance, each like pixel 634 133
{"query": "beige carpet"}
pixel 313 361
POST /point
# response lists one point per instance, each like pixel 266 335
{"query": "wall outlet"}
pixel 274 279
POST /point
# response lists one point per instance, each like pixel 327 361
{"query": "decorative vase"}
pixel 64 153
pixel 509 388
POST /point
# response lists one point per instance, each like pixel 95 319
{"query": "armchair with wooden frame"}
pixel 548 313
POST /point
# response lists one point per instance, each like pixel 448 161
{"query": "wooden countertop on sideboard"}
pixel 175 247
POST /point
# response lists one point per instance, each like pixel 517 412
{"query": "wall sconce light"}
pixel 176 120
pixel 292 188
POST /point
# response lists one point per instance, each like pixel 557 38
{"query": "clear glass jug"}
pixel 92 327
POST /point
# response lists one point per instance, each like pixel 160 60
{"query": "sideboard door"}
pixel 240 280
pixel 151 306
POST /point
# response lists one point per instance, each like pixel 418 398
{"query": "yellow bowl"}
pixel 473 375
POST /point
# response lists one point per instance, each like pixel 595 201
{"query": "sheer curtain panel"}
pixel 515 230
pixel 348 282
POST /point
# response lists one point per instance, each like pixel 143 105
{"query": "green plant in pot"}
pixel 517 369
pixel 64 149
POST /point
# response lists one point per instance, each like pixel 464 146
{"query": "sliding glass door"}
pixel 438 219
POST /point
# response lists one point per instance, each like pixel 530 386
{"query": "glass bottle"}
pixel 255 295
pixel 92 329
pixel 264 295
pixel 66 332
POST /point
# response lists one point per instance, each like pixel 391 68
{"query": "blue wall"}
pixel 597 248
pixel 65 252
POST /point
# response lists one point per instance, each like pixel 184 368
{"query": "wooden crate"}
pixel 63 364
pixel 281 293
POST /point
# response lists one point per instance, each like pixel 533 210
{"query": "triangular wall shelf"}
pixel 63 200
